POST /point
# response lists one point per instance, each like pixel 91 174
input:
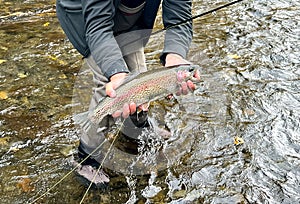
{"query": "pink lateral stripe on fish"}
pixel 145 87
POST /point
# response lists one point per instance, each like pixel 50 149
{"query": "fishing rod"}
pixel 182 22
pixel 198 16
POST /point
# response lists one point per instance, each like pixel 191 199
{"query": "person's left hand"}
pixel 173 59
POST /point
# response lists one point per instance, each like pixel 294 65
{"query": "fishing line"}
pixel 196 16
pixel 101 165
pixel 71 171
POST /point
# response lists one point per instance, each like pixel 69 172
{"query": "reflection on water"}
pixel 250 89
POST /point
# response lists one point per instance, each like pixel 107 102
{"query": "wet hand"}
pixel 115 81
pixel 173 59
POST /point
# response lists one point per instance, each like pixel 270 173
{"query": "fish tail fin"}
pixel 84 121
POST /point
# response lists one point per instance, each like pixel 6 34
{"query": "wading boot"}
pixel 87 170
pixel 133 127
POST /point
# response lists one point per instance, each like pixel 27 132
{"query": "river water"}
pixel 236 139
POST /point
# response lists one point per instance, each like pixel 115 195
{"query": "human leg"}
pixel 90 154
pixel 92 138
pixel 134 57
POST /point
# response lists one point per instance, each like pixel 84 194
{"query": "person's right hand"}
pixel 115 81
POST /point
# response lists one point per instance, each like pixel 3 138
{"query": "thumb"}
pixel 115 81
pixel 110 91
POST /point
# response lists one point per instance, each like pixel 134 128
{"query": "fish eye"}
pixel 191 69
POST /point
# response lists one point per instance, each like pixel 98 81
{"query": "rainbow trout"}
pixel 145 87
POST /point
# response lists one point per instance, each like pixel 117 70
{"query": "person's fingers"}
pixel 180 76
pixel 110 91
pixel 144 106
pixel 126 111
pixel 117 114
pixel 191 85
pixel 132 108
pixel 184 88
pixel 178 93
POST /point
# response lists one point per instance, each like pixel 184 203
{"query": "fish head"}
pixel 188 72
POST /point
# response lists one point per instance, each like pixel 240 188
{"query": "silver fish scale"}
pixel 143 88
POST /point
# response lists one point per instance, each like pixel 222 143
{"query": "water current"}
pixel 236 139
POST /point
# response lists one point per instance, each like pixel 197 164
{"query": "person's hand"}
pixel 173 59
pixel 115 81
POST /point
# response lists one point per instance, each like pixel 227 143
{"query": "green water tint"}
pixel 251 53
